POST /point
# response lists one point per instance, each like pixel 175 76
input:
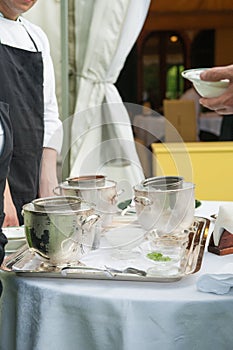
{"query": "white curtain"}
pixel 101 135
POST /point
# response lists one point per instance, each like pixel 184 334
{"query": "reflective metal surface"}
pixel 26 263
pixel 59 235
pixel 167 211
pixel 103 197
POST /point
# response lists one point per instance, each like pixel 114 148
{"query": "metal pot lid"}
pixel 163 182
pixel 152 189
pixel 107 184
pixel 85 209
pixel 87 181
pixel 57 204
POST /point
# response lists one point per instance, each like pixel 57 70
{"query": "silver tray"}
pixel 19 263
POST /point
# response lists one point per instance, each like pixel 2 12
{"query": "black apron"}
pixel 5 157
pixel 21 79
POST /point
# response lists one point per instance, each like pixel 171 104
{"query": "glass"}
pixel 166 214
pixel 123 239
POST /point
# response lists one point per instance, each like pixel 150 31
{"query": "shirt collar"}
pixel 17 20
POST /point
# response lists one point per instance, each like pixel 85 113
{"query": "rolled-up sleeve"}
pixel 53 131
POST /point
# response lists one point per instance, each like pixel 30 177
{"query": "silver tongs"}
pixel 109 270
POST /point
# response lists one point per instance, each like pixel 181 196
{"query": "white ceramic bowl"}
pixel 16 238
pixel 207 89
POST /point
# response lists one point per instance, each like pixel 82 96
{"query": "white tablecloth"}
pixel 59 314
pixel 151 129
pixel 210 122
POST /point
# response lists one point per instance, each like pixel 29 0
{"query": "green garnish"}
pixel 158 256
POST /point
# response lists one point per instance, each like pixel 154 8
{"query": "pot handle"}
pixel 55 191
pixel 146 202
pixel 115 196
pixel 88 222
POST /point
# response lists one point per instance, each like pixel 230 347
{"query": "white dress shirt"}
pixel 16 34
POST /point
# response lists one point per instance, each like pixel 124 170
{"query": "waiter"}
pixel 6 147
pixel 28 89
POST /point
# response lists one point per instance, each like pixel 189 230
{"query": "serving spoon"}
pixel 130 270
pixel 111 271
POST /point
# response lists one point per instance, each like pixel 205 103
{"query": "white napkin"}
pixel 109 257
pixel 223 222
pixel 219 283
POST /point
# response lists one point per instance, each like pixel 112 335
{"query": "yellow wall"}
pixel 208 164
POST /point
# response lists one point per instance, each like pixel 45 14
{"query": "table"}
pixel 59 314
pixel 149 128
pixel 152 128
pixel 210 122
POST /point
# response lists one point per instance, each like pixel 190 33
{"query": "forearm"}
pixel 48 174
pixel 11 218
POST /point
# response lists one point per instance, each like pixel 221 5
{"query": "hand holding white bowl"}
pixel 206 88
pixel 224 103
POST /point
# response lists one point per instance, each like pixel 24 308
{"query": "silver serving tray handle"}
pixel 19 263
